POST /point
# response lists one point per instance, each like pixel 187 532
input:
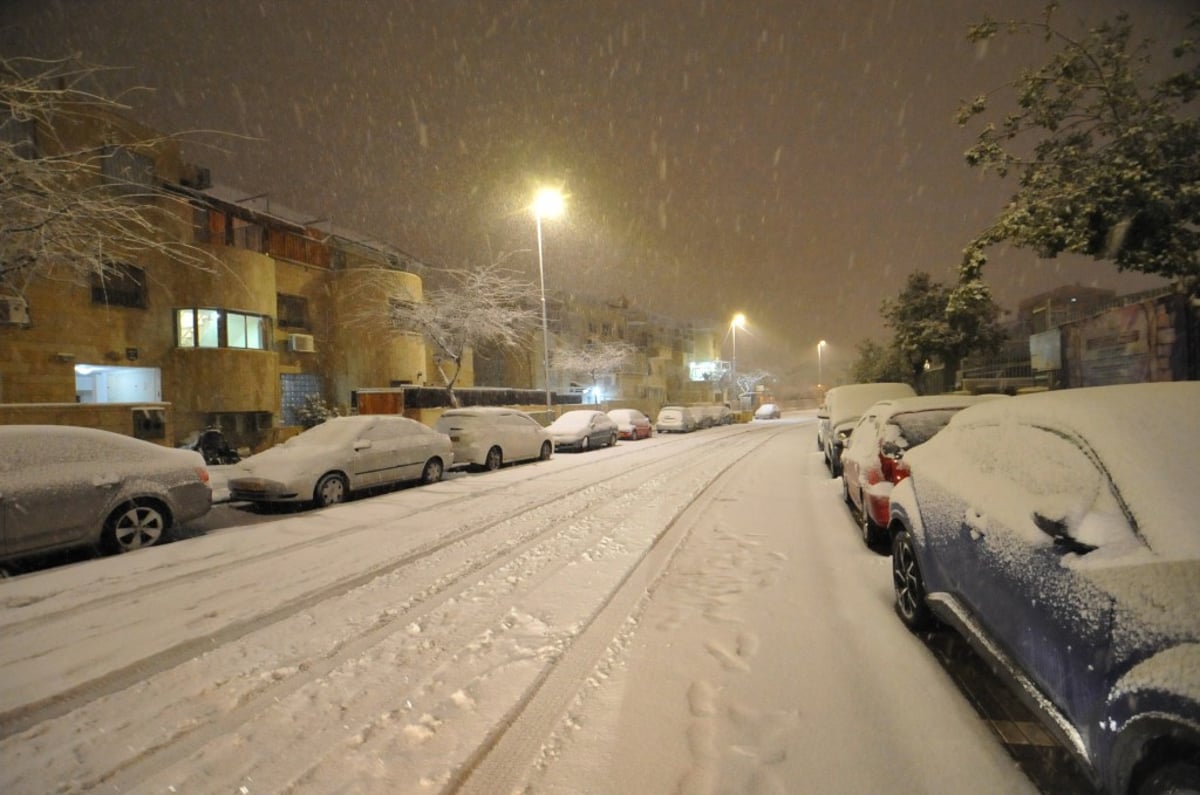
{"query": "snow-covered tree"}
pixel 475 306
pixel 932 321
pixel 593 360
pixel 747 381
pixel 75 207
pixel 879 363
pixel 1108 160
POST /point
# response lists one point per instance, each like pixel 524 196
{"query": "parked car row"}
pixel 685 419
pixel 840 412
pixel 1054 533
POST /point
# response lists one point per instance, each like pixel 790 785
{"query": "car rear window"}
pixel 916 427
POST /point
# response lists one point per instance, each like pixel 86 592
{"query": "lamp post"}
pixel 820 346
pixel 739 321
pixel 548 203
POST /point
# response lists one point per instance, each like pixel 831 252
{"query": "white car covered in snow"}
pixel 326 463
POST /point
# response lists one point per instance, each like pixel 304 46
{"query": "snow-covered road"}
pixel 691 614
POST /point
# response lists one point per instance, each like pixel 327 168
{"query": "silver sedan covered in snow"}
pixel 326 463
pixel 64 487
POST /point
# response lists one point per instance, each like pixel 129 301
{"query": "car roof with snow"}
pixel 1142 434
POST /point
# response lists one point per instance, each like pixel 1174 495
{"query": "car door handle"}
pixel 106 480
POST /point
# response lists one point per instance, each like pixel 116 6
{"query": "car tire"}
pixel 494 459
pixel 846 493
pixel 1173 776
pixel 585 443
pixel 331 489
pixel 612 440
pixel 432 472
pixel 909 584
pixel 872 534
pixel 547 451
pixel 133 526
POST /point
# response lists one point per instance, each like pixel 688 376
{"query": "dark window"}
pixel 120 284
pixel 127 171
pixel 291 310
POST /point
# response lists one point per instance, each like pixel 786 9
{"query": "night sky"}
pixel 791 160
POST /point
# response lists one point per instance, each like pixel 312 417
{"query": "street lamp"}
pixel 820 346
pixel 739 321
pixel 548 203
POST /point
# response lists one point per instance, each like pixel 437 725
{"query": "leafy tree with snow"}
pixel 475 306
pixel 933 321
pixel 879 363
pixel 593 360
pixel 72 209
pixel 1107 159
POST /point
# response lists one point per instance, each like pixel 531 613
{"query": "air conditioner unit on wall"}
pixel 13 311
pixel 301 343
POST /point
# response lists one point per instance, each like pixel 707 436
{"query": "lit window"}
pixel 217 328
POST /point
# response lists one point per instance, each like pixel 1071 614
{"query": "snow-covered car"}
pixel 583 429
pixel 63 487
pixel 768 411
pixel 328 462
pixel 676 419
pixel 874 461
pixel 1054 532
pixel 841 410
pixel 712 414
pixel 631 424
pixel 487 437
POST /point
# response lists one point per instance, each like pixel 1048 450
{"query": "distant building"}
pixel 160 349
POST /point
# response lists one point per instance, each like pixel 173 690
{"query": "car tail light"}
pixel 894 468
pixel 202 473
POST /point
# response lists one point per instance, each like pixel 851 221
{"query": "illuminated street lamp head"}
pixel 821 344
pixel 548 203
pixel 739 321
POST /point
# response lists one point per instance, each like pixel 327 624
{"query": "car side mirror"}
pixel 362 444
pixel 1058 530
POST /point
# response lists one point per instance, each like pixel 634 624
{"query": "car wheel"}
pixel 1174 776
pixel 133 526
pixel 494 459
pixel 585 443
pixel 846 493
pixel 872 534
pixel 547 451
pixel 432 472
pixel 331 489
pixel 612 440
pixel 909 584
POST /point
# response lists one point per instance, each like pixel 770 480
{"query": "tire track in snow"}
pixel 180 744
pixel 20 718
pixel 503 760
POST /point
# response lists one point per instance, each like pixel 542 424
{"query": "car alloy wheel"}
pixel 585 443
pixel 494 459
pixel 547 451
pixel 909 584
pixel 331 489
pixel 432 472
pixel 134 526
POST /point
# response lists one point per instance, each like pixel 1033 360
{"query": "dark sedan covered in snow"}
pixel 1058 534
pixel 583 429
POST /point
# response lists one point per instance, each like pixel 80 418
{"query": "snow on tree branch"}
pixel 78 194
